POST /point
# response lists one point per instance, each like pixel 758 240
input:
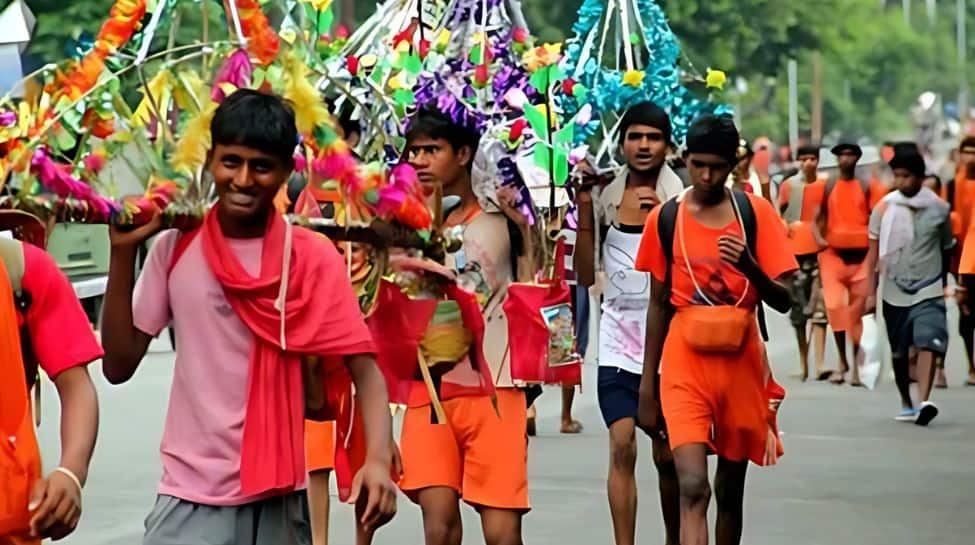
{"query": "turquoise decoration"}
pixel 650 46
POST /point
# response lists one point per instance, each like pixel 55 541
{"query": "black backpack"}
pixel 667 222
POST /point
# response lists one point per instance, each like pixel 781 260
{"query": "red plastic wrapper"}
pixel 540 336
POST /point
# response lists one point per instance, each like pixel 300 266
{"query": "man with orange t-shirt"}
pixel 799 200
pixel 960 194
pixel 714 389
pixel 842 221
pixel 42 325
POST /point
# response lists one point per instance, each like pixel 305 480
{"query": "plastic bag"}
pixel 871 358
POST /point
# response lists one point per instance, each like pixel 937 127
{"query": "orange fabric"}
pixel 721 282
pixel 845 289
pixel 962 224
pixel 281 200
pixel 801 232
pixel 720 400
pixel 964 200
pixel 846 225
pixel 10 540
pixel 482 456
pixel 319 445
pixel 20 458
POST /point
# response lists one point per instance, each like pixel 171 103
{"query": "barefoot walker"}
pixel 725 259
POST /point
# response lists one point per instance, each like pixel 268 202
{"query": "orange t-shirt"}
pixel 849 214
pixel 801 232
pixel 721 282
pixel 961 207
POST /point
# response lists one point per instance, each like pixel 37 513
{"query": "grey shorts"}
pixel 923 326
pixel 279 521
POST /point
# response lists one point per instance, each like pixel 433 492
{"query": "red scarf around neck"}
pixel 320 317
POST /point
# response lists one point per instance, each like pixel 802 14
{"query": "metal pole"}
pixel 793 104
pixel 907 11
pixel 962 62
pixel 817 97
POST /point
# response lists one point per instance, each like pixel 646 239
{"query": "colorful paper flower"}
pixel 716 79
pixel 634 78
pixel 235 73
pixel 542 56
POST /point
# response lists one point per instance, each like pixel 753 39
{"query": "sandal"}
pixel 571 427
pixel 823 375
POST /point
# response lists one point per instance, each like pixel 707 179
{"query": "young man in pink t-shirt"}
pixel 232 449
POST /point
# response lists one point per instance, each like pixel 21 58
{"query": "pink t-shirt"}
pixel 60 333
pixel 201 441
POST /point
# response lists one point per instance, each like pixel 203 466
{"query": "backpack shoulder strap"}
pixel 666 224
pixel 797 191
pixel 749 221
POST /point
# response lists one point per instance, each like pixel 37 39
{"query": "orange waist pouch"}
pixel 715 329
pixel 848 238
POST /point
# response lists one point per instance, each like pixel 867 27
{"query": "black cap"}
pixel 909 160
pixel 845 147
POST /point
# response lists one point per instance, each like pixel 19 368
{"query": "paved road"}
pixel 850 475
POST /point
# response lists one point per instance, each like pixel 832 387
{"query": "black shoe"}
pixel 926 414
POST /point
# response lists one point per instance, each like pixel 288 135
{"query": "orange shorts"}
pixel 716 399
pixel 845 289
pixel 481 456
pixel 19 540
pixel 319 445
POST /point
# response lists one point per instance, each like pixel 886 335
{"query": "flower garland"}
pixel 262 40
pixel 615 91
pixel 124 18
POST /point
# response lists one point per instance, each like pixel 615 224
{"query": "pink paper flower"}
pixel 236 72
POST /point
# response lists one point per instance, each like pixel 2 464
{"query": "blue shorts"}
pixel 619 394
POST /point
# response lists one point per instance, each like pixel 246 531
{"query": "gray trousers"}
pixel 274 521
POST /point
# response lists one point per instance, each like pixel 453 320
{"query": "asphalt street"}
pixel 851 475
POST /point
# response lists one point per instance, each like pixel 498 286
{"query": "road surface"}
pixel 850 475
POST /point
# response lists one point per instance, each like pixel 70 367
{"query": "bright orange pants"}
pixel 845 287
pixel 717 399
pixel 480 453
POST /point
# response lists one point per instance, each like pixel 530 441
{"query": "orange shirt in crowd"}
pixel 801 232
pixel 849 213
pixel 961 207
pixel 721 282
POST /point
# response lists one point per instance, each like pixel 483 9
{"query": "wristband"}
pixel 70 474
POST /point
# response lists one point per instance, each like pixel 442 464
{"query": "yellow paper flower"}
pixel 634 78
pixel 542 56
pixel 716 79
pixel 320 5
pixel 443 40
pixel 549 112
